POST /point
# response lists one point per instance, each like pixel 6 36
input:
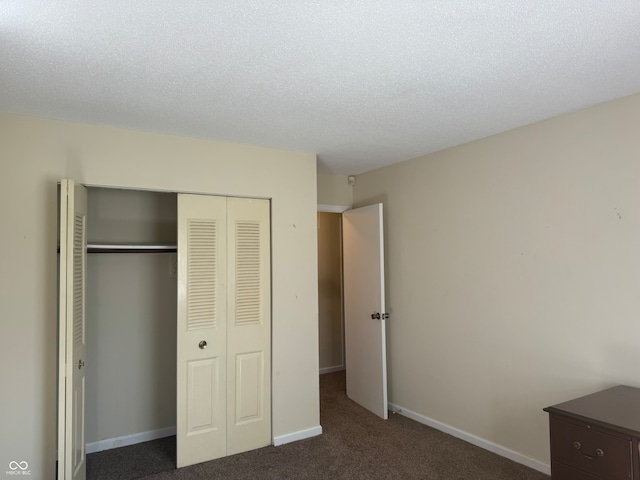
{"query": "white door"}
pixel 249 326
pixel 364 308
pixel 71 320
pixel 201 420
pixel 224 327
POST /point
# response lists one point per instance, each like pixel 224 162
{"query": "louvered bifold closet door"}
pixel 72 346
pixel 249 325
pixel 201 419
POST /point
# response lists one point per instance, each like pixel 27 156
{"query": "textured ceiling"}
pixel 360 83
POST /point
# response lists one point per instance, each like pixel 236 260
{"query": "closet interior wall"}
pixel 131 317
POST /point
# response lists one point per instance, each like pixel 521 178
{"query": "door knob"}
pixel 202 345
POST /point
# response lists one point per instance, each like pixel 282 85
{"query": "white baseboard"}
pixel 477 441
pixel 337 368
pixel 117 442
pixel 295 436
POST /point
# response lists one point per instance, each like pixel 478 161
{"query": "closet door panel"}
pixel 201 329
pixel 249 387
pixel 72 348
pixel 249 325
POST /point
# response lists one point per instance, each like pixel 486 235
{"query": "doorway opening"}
pixel 352 282
pixel 131 305
pixel 330 293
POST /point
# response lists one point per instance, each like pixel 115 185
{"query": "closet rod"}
pixel 120 248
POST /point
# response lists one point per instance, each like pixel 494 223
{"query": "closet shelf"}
pixel 131 248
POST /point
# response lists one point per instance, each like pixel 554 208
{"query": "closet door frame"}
pixel 62 394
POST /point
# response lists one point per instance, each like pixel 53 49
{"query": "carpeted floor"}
pixel 355 444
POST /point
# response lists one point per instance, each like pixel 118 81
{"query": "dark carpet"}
pixel 355 444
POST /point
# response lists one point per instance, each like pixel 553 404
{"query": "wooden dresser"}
pixel 596 437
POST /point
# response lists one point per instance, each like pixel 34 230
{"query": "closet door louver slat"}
pixel 79 235
pixel 248 273
pixel 202 274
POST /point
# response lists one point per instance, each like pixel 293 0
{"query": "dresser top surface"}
pixel 615 407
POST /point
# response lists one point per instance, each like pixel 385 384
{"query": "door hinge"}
pixel 378 316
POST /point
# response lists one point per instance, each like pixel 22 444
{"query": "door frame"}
pixel 322 208
pixel 60 380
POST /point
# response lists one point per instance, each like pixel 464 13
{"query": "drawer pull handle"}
pixel 578 446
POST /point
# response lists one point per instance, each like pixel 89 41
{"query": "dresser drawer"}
pixel 589 450
pixel 559 471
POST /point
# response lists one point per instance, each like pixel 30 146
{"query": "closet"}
pixel 176 323
pixel 131 304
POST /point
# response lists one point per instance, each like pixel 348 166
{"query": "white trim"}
pixel 295 436
pixel 337 368
pixel 477 441
pixel 333 208
pixel 127 440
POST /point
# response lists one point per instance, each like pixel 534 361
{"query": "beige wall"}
pixel 330 291
pixel 513 273
pixel 131 315
pixel 36 153
pixel 334 190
